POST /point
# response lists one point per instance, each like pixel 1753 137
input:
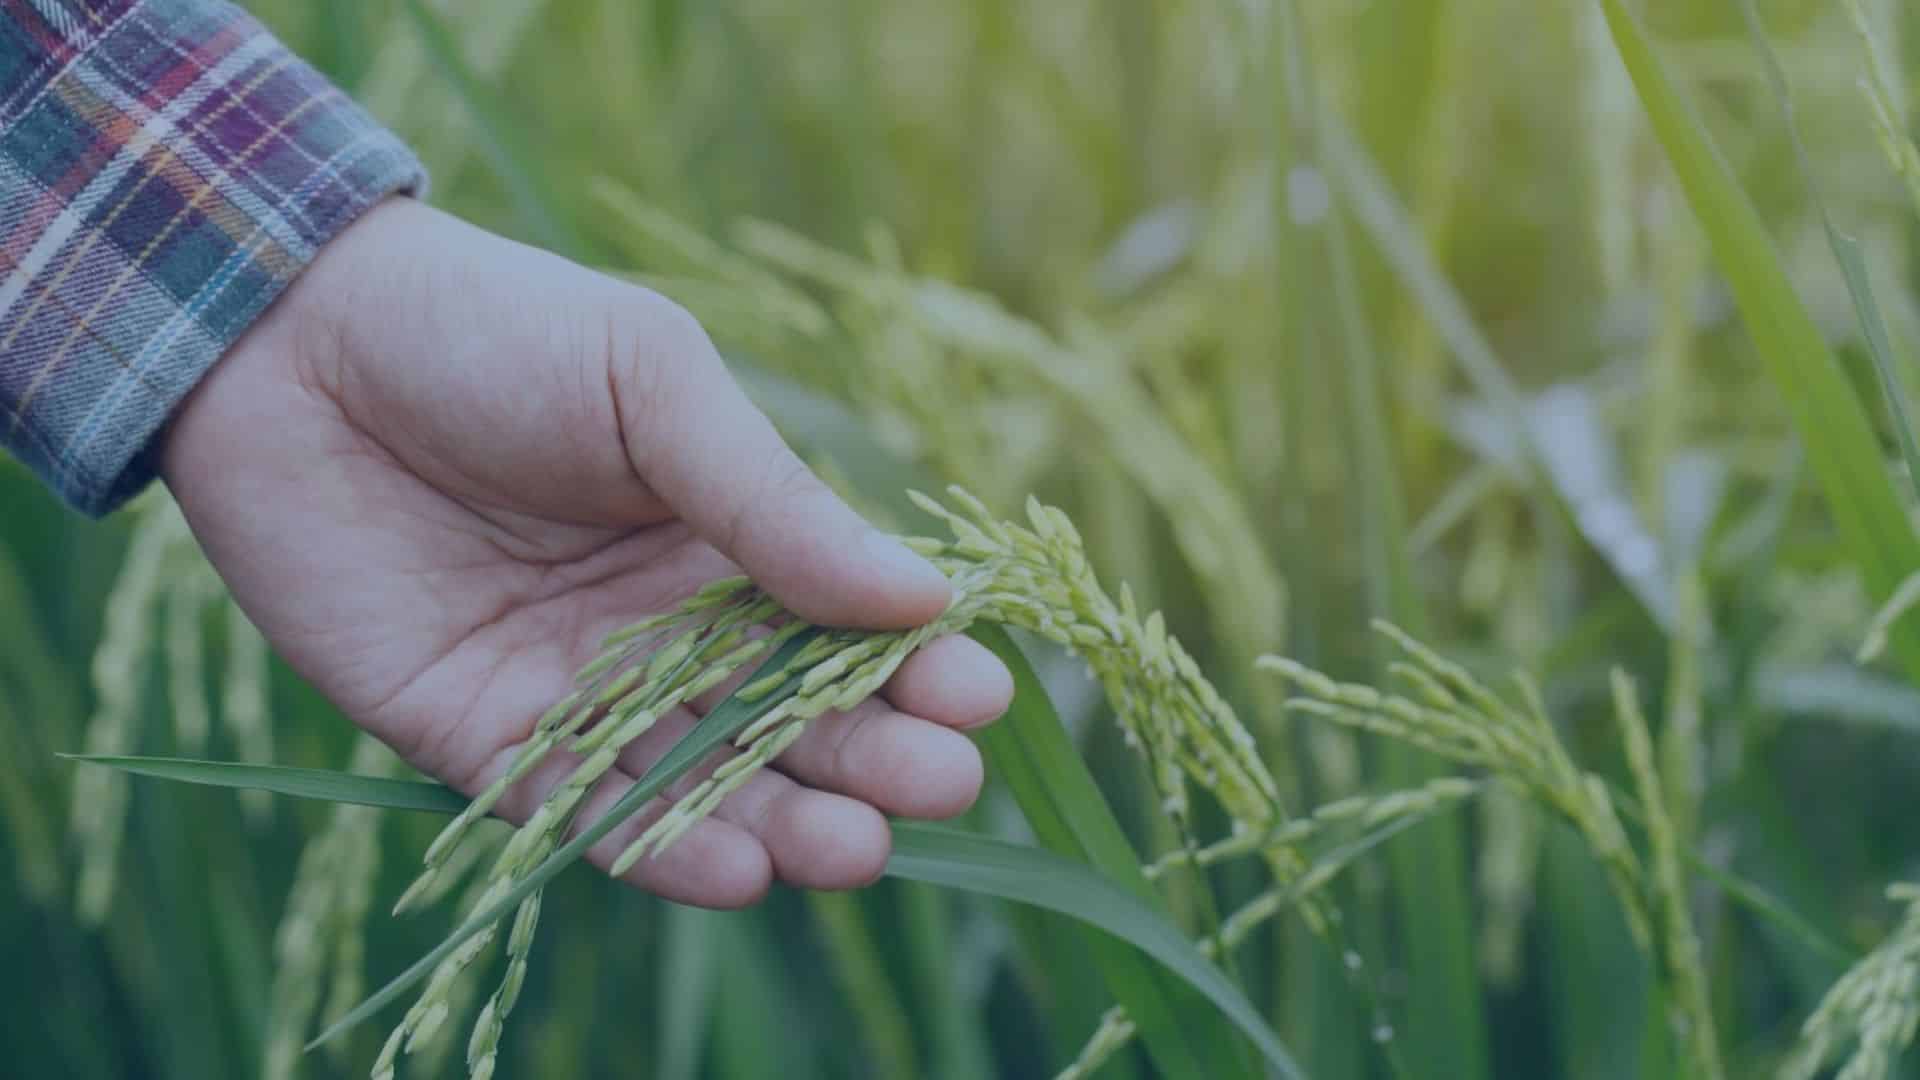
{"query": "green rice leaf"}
pixel 1031 752
pixel 1840 441
pixel 323 784
pixel 956 859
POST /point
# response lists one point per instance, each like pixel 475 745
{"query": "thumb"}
pixel 715 459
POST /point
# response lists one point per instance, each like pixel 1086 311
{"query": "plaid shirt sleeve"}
pixel 166 168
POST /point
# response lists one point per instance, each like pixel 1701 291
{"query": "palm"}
pixel 437 531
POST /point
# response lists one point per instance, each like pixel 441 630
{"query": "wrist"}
pixel 297 341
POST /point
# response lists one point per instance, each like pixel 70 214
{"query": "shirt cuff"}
pixel 166 169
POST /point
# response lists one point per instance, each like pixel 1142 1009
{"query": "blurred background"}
pixel 1266 295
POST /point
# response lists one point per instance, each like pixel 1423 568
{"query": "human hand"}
pixel 444 465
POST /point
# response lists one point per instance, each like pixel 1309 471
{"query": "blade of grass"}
pixel 961 860
pixel 1832 423
pixel 504 146
pixel 1031 752
pixel 1846 250
pixel 323 784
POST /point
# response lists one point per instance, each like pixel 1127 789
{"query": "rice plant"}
pixel 1576 340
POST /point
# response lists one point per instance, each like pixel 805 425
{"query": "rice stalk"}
pixel 1611 128
pixel 1874 1008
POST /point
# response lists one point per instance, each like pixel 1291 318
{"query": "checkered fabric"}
pixel 166 168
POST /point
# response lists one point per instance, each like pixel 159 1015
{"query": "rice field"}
pixel 1443 471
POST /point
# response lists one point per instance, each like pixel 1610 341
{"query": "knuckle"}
pixel 844 762
pixel 677 327
pixel 772 505
pixel 655 351
pixel 870 862
pixel 787 480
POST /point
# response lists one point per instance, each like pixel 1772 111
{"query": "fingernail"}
pixel 889 556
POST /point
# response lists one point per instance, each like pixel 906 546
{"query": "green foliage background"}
pixel 1394 302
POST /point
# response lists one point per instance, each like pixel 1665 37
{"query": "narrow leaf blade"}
pixel 960 860
pixel 322 784
pixel 1030 751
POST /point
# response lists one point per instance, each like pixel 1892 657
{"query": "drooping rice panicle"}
pixel 1874 1008
pixel 322 929
pixel 1455 716
pixel 119 669
pixel 1354 811
pixel 1679 947
pixel 1460 718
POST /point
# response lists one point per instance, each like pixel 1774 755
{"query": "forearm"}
pixel 166 168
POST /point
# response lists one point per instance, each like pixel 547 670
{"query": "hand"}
pixel 443 466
